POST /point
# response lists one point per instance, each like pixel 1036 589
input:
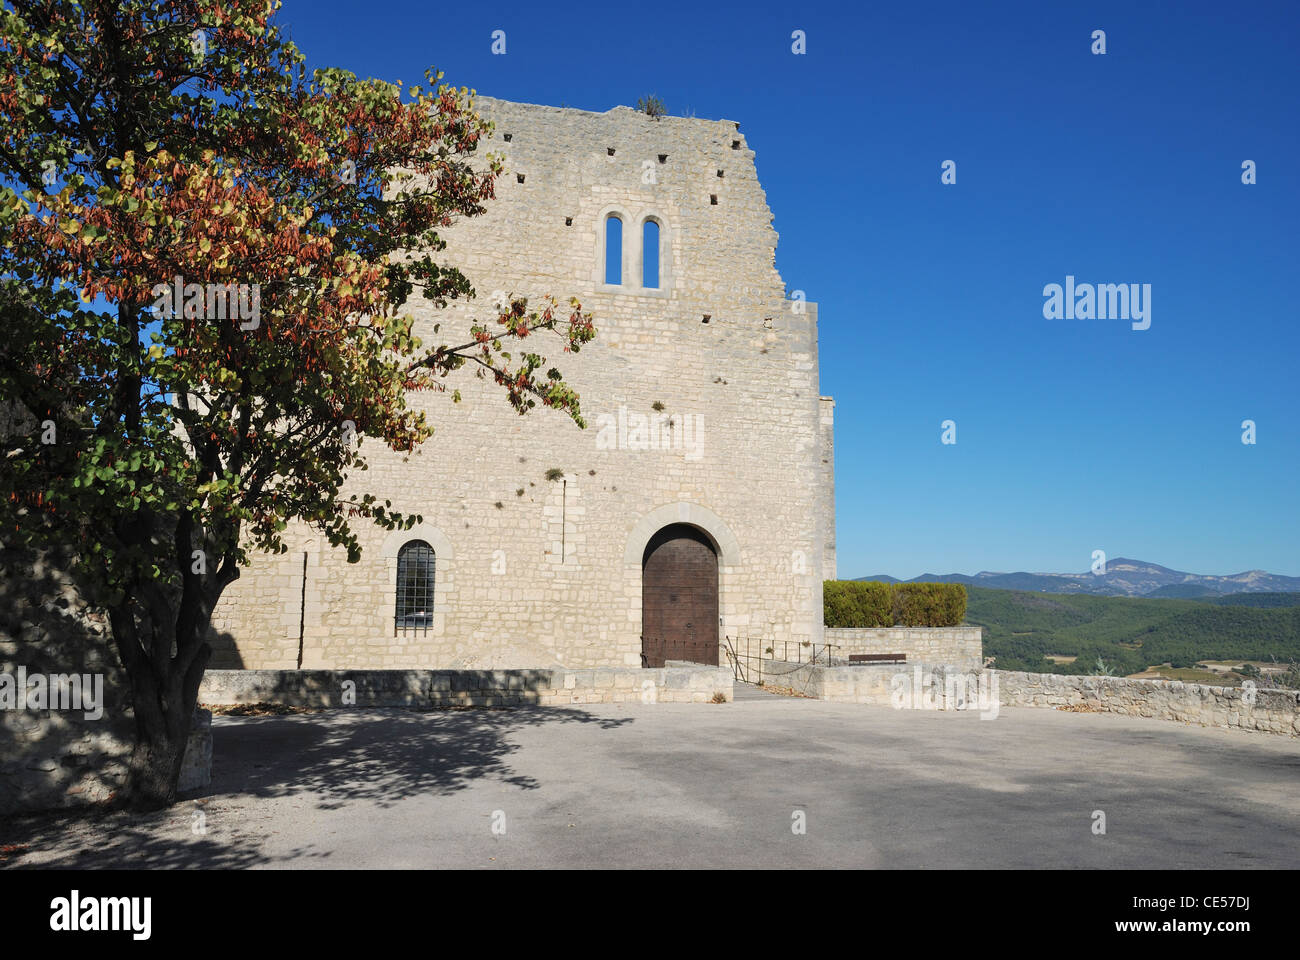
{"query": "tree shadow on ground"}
pixel 328 759
pixel 96 838
pixel 380 755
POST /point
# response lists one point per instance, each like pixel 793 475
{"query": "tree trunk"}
pixel 154 771
pixel 164 709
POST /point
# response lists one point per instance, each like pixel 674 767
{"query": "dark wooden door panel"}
pixel 679 597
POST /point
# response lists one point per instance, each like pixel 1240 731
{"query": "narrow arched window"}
pixel 414 587
pixel 613 250
pixel 650 255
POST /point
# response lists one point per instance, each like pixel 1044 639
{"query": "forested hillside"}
pixel 1022 629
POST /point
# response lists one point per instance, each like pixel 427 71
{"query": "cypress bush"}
pixel 857 603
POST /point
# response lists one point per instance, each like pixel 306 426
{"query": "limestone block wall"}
pixel 196 765
pixel 532 572
pixel 265 607
pixel 69 748
pixel 868 683
pixel 53 759
pixel 947 687
pixel 1238 708
pixel 447 688
pixel 56 757
pixel 827 508
pixel 959 646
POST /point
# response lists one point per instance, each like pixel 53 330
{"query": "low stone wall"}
pixel 480 688
pixel 946 687
pixel 961 646
pixel 1235 708
pixel 196 767
pixel 868 683
pixel 72 747
pixel 52 760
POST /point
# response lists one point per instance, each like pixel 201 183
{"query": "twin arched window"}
pixel 415 578
pixel 614 252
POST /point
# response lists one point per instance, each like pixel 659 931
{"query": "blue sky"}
pixel 1072 435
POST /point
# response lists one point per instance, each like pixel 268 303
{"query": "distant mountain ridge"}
pixel 1123 578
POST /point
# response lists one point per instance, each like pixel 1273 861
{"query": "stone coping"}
pixel 545 686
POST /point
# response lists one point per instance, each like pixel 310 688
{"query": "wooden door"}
pixel 679 597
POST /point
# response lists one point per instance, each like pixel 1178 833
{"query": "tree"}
pixel 207 252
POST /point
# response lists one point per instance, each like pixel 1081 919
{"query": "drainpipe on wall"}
pixel 302 608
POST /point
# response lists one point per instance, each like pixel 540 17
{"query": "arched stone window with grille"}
pixel 415 580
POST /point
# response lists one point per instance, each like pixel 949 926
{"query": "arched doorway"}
pixel 679 597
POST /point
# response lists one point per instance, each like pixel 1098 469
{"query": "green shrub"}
pixel 856 603
pixel 929 604
pixel 852 603
pixel 837 611
pixel 875 604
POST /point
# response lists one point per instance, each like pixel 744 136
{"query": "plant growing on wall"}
pixel 652 106
pixel 203 302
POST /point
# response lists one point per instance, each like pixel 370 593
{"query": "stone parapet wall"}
pixel 858 684
pixel 51 759
pixel 946 687
pixel 55 760
pixel 1272 711
pixel 450 688
pixel 960 646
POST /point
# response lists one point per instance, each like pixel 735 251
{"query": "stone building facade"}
pixel 702 486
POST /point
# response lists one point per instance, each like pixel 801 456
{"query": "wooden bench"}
pixel 877 658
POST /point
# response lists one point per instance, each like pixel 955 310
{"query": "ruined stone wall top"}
pixel 566 170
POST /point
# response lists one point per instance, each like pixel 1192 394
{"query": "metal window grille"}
pixel 414 588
